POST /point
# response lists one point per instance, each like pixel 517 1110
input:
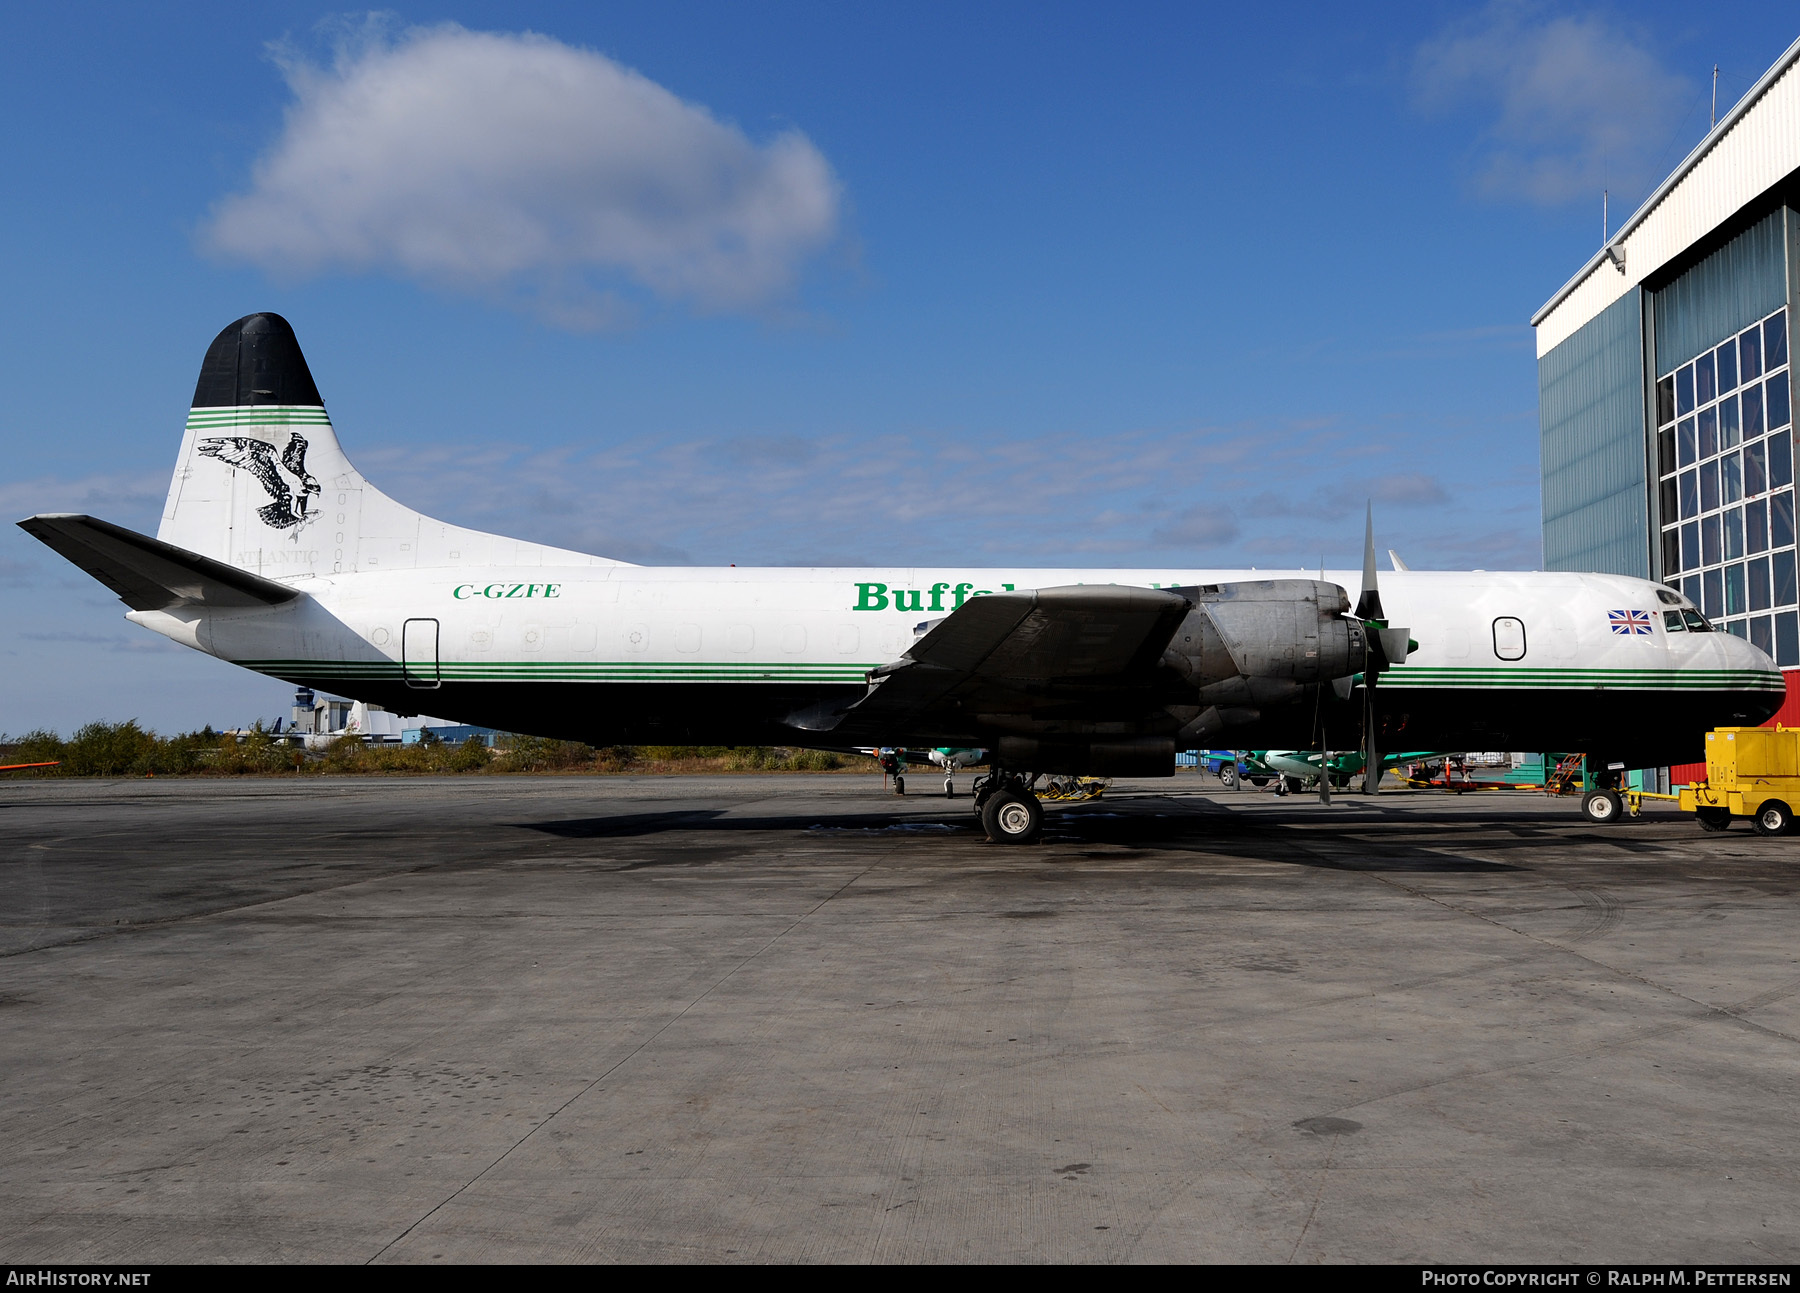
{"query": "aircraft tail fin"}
pixel 263 485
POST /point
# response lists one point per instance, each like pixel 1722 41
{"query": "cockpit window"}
pixel 1668 597
pixel 1673 622
pixel 1696 622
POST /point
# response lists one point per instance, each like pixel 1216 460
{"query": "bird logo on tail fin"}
pixel 287 508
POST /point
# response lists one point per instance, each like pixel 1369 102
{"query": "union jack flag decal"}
pixel 1629 623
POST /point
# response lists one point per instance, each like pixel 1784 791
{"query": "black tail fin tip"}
pixel 256 360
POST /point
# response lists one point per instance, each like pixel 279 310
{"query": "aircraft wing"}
pixel 146 573
pixel 1088 649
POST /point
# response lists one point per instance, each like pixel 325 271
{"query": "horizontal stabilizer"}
pixel 146 573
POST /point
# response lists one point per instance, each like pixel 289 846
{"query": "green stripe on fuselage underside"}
pixel 1623 679
pixel 567 671
pixel 1403 677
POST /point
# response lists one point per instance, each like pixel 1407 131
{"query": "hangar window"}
pixel 1725 467
pixel 1509 638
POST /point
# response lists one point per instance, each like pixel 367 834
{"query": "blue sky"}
pixel 793 284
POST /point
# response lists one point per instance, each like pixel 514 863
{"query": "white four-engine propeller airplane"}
pixel 276 554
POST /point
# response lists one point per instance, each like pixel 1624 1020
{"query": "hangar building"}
pixel 1665 406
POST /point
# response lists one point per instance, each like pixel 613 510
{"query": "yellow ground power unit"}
pixel 1751 772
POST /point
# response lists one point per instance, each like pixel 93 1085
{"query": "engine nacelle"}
pixel 1270 631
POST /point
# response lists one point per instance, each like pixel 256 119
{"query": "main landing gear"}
pixel 1010 813
pixel 1602 807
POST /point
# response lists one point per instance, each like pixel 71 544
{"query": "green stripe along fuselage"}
pixel 783 671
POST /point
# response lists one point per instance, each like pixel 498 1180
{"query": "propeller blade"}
pixel 1368 605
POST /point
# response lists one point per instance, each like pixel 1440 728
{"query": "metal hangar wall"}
pixel 1666 412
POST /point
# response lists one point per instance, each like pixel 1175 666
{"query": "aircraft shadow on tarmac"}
pixel 1265 837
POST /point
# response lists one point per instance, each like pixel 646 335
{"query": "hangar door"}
pixel 419 653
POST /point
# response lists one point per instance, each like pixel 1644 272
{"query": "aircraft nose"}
pixel 1755 679
pixel 1741 653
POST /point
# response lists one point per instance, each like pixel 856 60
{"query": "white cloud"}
pixel 513 164
pixel 1580 102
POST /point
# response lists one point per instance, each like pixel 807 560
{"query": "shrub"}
pixel 815 761
pixel 541 754
pixel 34 747
pixel 471 756
pixel 345 754
pixel 254 751
pixel 108 750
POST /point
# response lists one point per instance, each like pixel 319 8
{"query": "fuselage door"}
pixel 419 653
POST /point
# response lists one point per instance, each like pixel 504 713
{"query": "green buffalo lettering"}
pixel 879 597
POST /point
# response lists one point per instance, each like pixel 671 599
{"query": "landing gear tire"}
pixel 1013 818
pixel 1283 786
pixel 1602 807
pixel 1713 819
pixel 1228 778
pixel 1773 818
pixel 949 788
pixel 899 785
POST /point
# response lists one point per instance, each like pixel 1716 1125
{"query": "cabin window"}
pixel 687 638
pixel 1509 638
pixel 739 638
